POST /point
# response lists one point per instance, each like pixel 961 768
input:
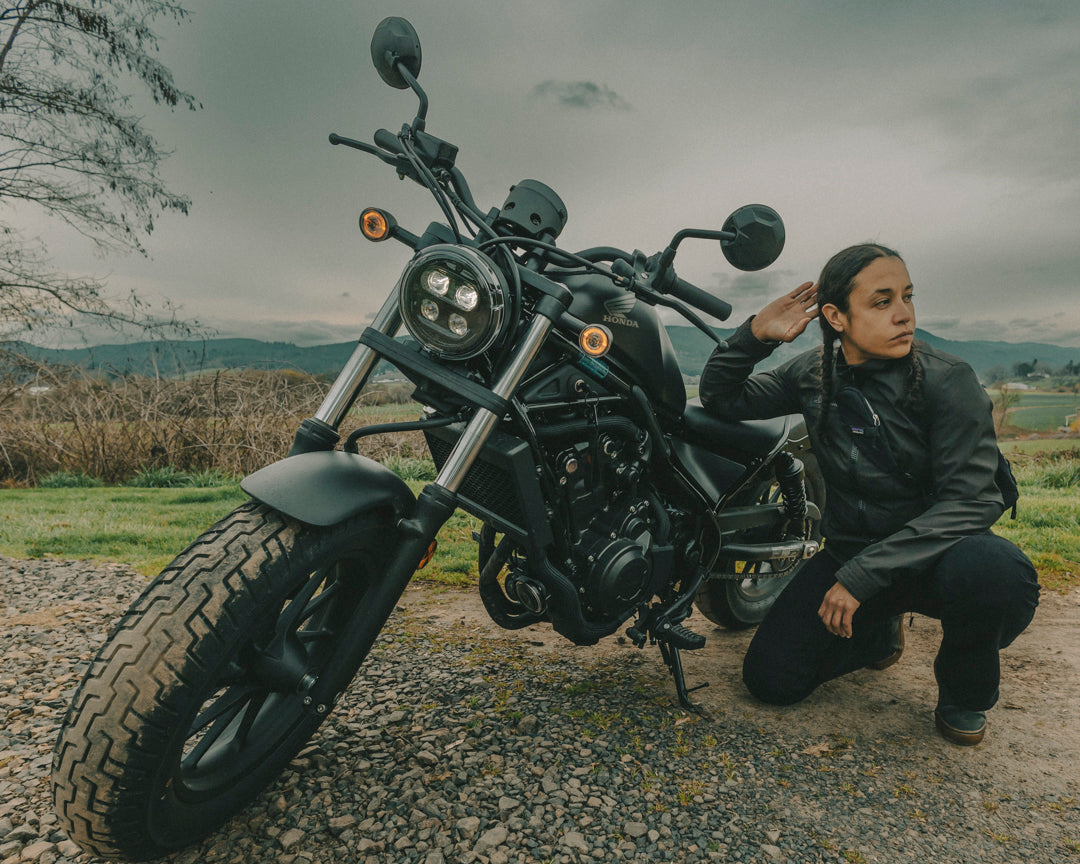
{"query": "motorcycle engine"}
pixel 615 552
pixel 612 564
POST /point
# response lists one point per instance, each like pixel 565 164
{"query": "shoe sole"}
pixel 892 659
pixel 964 738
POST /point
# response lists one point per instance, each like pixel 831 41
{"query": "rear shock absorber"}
pixel 789 476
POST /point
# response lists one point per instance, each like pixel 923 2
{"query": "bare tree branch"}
pixel 72 147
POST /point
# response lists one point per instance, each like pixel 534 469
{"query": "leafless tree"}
pixel 1005 400
pixel 73 148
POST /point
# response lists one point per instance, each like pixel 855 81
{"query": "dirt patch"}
pixel 1033 735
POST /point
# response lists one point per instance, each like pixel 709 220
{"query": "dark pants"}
pixel 983 590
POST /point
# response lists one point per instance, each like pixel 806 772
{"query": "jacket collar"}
pixel 859 374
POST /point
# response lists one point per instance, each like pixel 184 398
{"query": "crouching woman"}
pixel 905 440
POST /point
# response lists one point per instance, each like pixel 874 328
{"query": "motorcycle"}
pixel 556 414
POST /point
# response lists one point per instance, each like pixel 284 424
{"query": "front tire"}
pixel 197 700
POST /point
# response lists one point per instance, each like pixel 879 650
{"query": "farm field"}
pixel 1037 411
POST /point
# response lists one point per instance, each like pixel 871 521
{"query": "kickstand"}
pixel 671 656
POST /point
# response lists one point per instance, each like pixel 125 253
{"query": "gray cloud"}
pixel 587 95
pixel 937 326
pixel 761 285
pixel 946 130
pixel 1019 122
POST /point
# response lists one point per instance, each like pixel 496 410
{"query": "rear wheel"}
pixel 738 603
pixel 199 697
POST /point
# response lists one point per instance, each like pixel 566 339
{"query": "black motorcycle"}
pixel 556 414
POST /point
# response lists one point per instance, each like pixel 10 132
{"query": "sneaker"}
pixel 956 724
pixel 895 631
pixel 959 725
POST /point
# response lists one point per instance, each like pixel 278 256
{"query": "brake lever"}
pixel 336 139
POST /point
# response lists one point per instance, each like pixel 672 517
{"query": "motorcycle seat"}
pixel 753 437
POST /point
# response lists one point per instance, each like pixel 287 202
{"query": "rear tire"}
pixel 741 603
pixel 197 700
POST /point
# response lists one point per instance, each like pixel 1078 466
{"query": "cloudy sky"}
pixel 949 130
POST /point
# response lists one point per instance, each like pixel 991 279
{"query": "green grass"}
pixel 1038 445
pixel 1029 398
pixel 1047 528
pixel 1041 418
pixel 1040 411
pixel 144 528
pixel 147 527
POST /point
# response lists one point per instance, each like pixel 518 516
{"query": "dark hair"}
pixel 835 284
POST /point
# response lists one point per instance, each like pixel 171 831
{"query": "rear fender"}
pixel 328 487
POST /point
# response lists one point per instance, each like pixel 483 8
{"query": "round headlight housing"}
pixel 453 301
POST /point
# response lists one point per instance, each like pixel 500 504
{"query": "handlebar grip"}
pixel 699 299
pixel 387 140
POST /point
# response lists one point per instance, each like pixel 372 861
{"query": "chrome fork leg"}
pixel 353 376
pixel 468 446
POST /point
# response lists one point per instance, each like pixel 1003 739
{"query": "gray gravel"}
pixel 454 746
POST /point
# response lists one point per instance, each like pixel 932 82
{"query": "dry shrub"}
pixel 63 419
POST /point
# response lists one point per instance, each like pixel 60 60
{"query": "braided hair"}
pixel 835 285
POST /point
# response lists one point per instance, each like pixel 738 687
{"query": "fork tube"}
pixel 468 446
pixel 353 376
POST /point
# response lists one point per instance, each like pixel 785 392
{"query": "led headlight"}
pixel 453 300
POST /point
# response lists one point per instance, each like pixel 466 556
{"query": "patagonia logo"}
pixel 617 310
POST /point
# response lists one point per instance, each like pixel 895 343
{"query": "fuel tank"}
pixel 640 344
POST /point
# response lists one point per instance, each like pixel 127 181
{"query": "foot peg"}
pixel 671 638
pixel 678 636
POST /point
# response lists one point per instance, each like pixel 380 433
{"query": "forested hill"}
pixel 691 345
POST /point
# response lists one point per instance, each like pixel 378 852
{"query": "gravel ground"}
pixel 460 743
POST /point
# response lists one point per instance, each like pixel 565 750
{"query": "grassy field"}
pixel 1037 411
pixel 1042 418
pixel 145 528
pixel 1039 445
pixel 141 527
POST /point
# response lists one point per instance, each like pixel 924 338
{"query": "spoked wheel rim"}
pixel 259 696
pixel 757 585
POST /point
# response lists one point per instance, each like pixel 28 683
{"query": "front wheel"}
pixel 743 602
pixel 198 698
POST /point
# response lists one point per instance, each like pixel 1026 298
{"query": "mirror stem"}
pixel 702 234
pixel 421 112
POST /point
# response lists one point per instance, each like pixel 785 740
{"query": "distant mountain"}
pixel 691 346
pixel 172 358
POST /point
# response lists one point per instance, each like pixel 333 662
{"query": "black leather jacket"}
pixel 883 525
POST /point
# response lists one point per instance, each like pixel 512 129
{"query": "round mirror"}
pixel 395 41
pixel 759 237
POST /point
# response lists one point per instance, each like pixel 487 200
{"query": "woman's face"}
pixel 880 321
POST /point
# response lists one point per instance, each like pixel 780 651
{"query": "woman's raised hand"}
pixel 786 317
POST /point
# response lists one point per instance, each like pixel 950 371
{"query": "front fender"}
pixel 329 486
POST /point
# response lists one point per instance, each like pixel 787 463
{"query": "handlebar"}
pixel 668 283
pixel 388 141
pixel 389 148
pixel 707 303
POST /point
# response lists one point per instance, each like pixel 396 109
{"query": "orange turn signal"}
pixel 376 224
pixel 428 555
pixel 595 340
